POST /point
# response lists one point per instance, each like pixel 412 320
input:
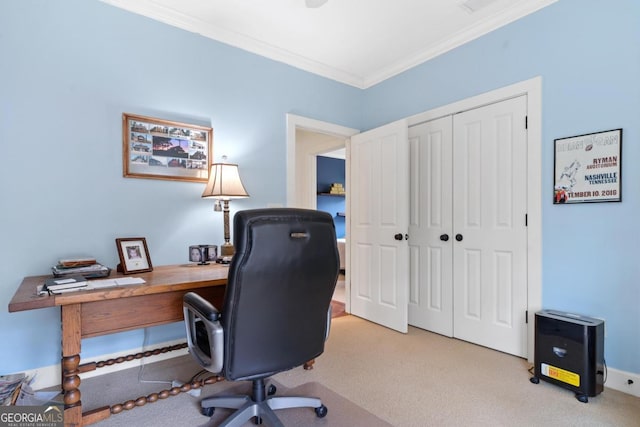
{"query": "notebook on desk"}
pixel 56 285
pixel 120 281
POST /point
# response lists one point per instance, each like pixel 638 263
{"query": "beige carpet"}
pixel 415 379
pixel 184 409
pixel 424 379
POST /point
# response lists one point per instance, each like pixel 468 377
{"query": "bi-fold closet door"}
pixel 467 226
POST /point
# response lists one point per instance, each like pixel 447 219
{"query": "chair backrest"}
pixel 279 290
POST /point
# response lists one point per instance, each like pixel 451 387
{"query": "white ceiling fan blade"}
pixel 315 3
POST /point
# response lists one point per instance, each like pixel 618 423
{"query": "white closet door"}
pixel 430 226
pixel 379 213
pixel 490 238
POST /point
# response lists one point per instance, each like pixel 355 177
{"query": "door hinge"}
pixel 526 316
pixel 526 122
pixel 526 220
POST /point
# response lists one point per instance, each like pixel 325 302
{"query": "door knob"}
pixel 398 236
pixel 444 237
pixel 459 237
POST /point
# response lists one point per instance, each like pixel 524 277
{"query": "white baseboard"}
pixel 49 376
pixel 619 380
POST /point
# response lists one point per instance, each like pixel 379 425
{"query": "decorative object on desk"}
pixel 225 184
pixel 588 167
pixel 212 253
pixel 202 254
pixel 93 270
pixel 162 149
pixel 134 255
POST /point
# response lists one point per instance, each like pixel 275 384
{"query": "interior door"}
pixel 489 225
pixel 378 197
pixel 430 226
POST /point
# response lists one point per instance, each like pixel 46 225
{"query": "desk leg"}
pixel 71 337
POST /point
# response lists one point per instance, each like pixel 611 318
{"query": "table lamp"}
pixel 225 184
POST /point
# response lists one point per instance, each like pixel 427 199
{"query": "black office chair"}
pixel 276 313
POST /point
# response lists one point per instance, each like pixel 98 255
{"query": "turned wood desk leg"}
pixel 71 338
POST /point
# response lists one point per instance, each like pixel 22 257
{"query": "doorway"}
pixel 306 140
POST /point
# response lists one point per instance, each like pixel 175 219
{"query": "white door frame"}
pixel 302 181
pixel 307 176
pixel 532 88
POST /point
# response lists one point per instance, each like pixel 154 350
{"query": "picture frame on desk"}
pixel 162 149
pixel 134 255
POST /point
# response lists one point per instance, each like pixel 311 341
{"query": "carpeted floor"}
pixel 184 409
pixel 408 380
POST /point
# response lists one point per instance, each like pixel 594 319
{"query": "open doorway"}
pixel 306 140
pixel 331 194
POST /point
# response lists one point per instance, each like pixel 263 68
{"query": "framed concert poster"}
pixel 588 168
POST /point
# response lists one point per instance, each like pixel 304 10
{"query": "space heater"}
pixel 569 352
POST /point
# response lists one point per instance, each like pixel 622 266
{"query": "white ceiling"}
pixel 357 42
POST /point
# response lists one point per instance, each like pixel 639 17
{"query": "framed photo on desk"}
pixel 134 255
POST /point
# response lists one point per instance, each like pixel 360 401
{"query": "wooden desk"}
pixel 91 313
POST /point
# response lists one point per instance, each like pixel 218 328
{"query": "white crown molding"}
pixel 481 28
pixel 177 19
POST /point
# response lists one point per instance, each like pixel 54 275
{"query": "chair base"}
pixel 259 406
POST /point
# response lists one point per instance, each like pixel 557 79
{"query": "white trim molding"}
pixel 159 12
pixel 625 382
pixel 295 178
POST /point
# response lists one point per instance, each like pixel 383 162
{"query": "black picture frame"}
pixel 588 168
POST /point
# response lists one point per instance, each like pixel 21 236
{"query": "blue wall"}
pixel 588 54
pixel 331 170
pixel 70 68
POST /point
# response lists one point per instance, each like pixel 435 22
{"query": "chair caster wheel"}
pixel 321 411
pixel 207 412
pixel 257 420
pixel 534 380
pixel 271 390
pixel 582 398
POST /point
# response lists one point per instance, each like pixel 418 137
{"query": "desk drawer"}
pixel 118 315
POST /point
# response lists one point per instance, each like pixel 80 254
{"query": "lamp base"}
pixel 226 253
pixel 227 249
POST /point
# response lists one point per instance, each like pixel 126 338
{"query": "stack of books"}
pixel 88 268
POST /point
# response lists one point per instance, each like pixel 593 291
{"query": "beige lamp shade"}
pixel 224 182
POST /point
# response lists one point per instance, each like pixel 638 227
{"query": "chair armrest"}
pixel 203 308
pixel 329 315
pixel 205 335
